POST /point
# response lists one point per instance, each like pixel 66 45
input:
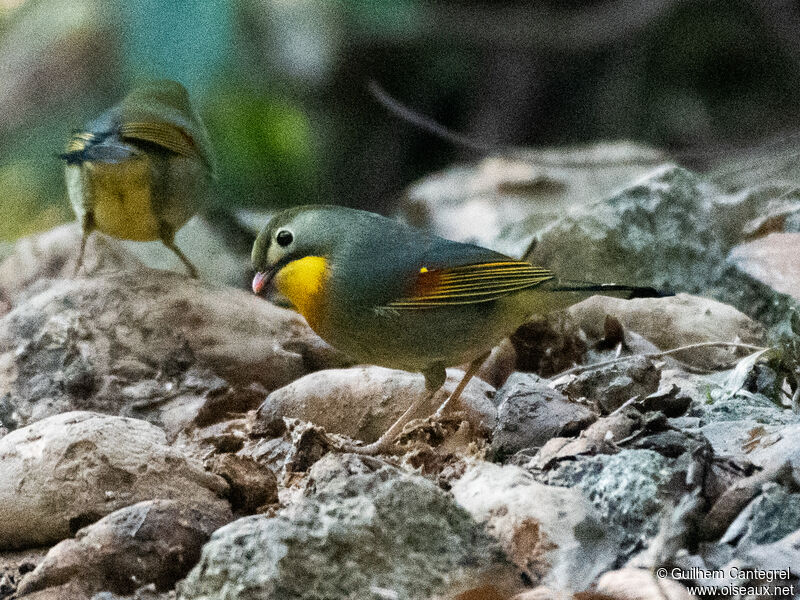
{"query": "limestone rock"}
pixel 530 413
pixel 503 200
pixel 611 386
pixel 149 344
pixel 557 539
pixel 155 541
pixel 628 489
pixel 363 402
pixel 69 470
pixel 772 260
pixel 672 322
pixel 671 230
pixel 393 532
pixel 36 260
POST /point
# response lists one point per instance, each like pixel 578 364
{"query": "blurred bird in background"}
pixel 141 169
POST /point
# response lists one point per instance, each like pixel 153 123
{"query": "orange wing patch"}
pixel 470 284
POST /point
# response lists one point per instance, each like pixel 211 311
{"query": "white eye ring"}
pixel 284 237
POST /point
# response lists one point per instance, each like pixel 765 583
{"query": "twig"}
pixel 426 123
pixel 582 368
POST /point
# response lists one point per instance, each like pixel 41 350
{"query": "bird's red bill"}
pixel 259 281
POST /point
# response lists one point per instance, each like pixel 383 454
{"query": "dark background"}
pixel 282 85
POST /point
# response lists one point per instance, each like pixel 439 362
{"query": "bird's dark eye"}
pixel 284 238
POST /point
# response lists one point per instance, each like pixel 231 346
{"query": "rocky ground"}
pixel 168 438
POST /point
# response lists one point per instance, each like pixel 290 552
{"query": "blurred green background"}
pixel 282 85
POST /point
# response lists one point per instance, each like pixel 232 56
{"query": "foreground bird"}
pixel 388 294
pixel 141 169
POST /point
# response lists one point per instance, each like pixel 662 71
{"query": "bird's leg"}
pixel 454 398
pixel 87 226
pixel 167 235
pixel 434 379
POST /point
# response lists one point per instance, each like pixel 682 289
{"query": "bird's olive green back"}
pixel 376 261
pixel 162 113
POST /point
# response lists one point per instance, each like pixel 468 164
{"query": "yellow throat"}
pixel 301 281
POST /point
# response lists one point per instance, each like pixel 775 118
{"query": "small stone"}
pixel 530 412
pixel 628 489
pixel 156 541
pixel 609 387
pixel 251 484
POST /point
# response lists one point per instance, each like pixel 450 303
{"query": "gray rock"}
pixel 672 231
pixel 149 344
pixel 363 402
pixel 69 470
pixel 730 486
pixel 52 254
pixel 530 412
pixel 776 446
pixel 772 260
pixel 756 408
pixel 735 422
pixel 770 516
pixel 360 534
pixel 672 322
pixel 598 438
pixel 156 541
pixel 503 200
pixel 611 386
pixel 552 534
pixel 628 490
pixel 785 551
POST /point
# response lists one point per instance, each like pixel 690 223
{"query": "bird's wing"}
pixel 162 134
pixel 469 284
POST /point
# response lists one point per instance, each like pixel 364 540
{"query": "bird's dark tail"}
pixel 611 289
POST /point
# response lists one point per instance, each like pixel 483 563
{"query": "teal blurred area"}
pixel 281 85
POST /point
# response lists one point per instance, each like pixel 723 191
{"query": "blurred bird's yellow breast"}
pixel 302 281
pixel 122 198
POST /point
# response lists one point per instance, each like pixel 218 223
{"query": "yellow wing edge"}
pixel 471 284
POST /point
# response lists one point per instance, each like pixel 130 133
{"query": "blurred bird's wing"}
pixel 162 134
pixel 160 112
pixel 469 284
